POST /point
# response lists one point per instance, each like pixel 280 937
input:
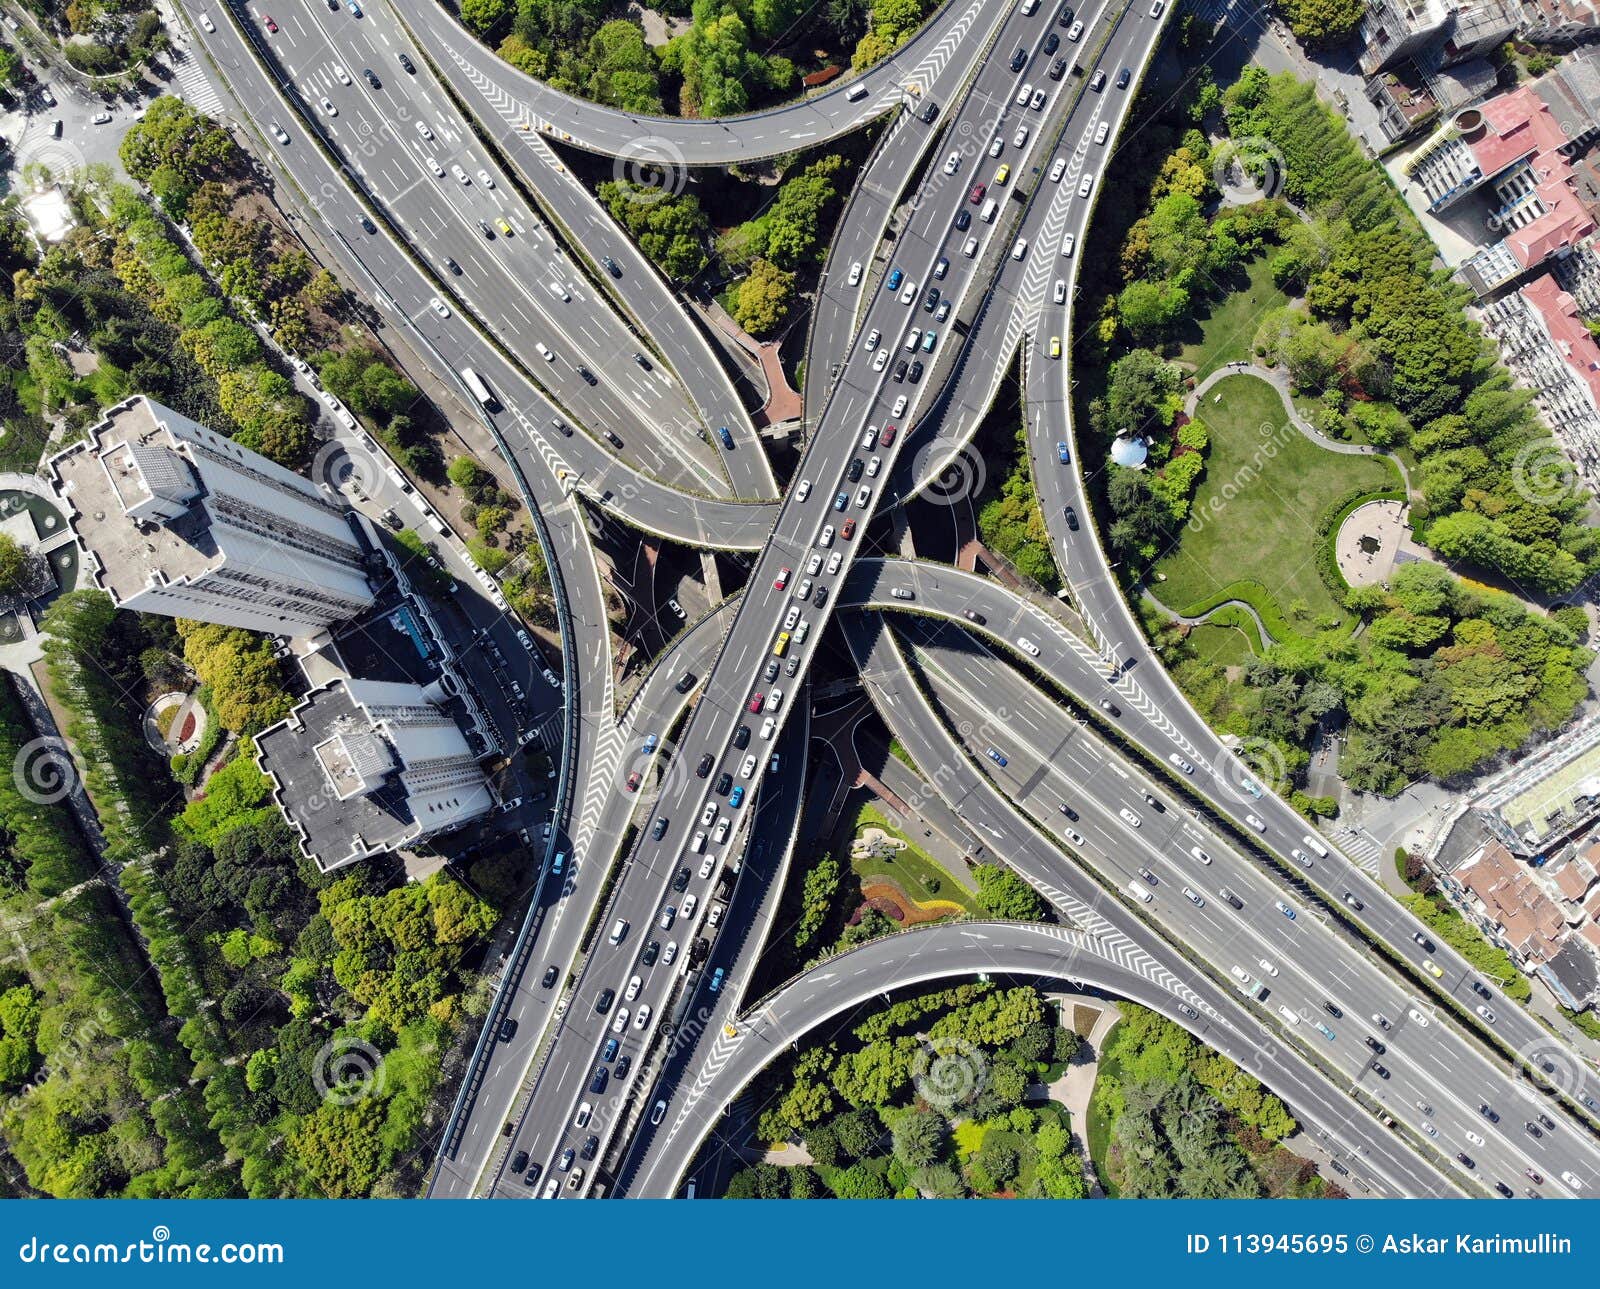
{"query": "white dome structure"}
pixel 1129 452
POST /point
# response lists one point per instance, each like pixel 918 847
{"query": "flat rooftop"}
pixel 96 481
pixel 335 831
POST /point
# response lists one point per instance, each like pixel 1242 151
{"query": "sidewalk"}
pixel 1076 1086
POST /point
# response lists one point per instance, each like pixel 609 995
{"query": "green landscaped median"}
pixel 1253 533
pixel 921 877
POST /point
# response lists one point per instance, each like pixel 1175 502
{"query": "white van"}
pixel 619 930
pixel 1028 7
pixel 1313 844
pixel 857 93
pixel 1140 892
pixel 990 209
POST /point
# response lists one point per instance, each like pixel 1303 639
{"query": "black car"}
pixel 1488 1112
pixel 853 471
pixel 1479 988
pixel 1058 69
pixel 368 225
pixel 452 266
pixel 1052 42
pixel 1333 1010
pixel 611 266
pixel 1353 902
pixel 686 683
pixel 601 1075
pixel 1111 708
pixel 589 376
pixel 963 219
pixel 410 66
pixel 561 427
pixel 930 302
pixel 372 80
pixel 680 881
pixel 1123 77
pixel 552 973
pixel 1231 898
pixel 652 951
pixel 1504 1190
pixel 820 596
pixel 508 1029
pixel 915 374
pixel 1069 812
pixel 741 737
pixel 1071 517
pixel 603 1003
pixel 1380 1070
pixel 623 1066
pixel 531 1177
pixel 1376 1046
pixel 1065 20
pixel 901 368
pixel 1019 60
pixel 642 361
pixel 1422 940
pixel 1533 1129
pixel 1547 1121
pixel 704 768
pixel 931 112
pixel 972 615
pixel 591 1147
pixel 1464 1159
pixel 519 1161
pixel 660 829
pixel 724 783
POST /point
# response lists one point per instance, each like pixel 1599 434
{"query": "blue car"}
pixel 355 9
pixel 997 756
pixel 1286 910
pixel 895 278
pixel 841 500
pixel 651 742
pixel 1061 453
pixel 727 438
pixel 716 979
pixel 610 1052
pixel 736 798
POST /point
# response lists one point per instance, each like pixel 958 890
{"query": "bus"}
pixel 480 391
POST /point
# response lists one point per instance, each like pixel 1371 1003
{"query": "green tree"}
pixel 761 302
pixel 1005 895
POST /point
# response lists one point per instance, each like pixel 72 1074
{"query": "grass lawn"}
pixel 1223 335
pixel 918 874
pixel 1280 484
pixel 1221 642
pixel 1097 1132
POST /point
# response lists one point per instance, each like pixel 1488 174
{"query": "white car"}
pixel 545 351
pixel 690 903
pixel 804 589
pixel 433 165
pixel 206 24
pixel 1075 32
pixel 1068 244
pixel 747 767
pixel 855 274
pixel 1102 132
pixel 485 179
pixel 462 175
pixel 1023 95
pixel 439 307
pixel 1255 823
pixel 635 984
pixel 970 247
pixel 721 833
pixel 834 561
pixel 768 726
pixel 423 130
pixel 952 163
pixel 1129 818
pixel 1027 646
pixel 1020 138
pixel 1473 1137
pixel 774 700
pixel 1019 248
pixel 1417 1018
pixel 706 865
pixel 642 1018
pixel 102 118
pixel 708 814
pixel 620 1021
pixel 560 292
pixel 698 845
pixel 1271 968
pixel 873 337
pixel 1057 169
pixel 279 133
pixel 791 617
pixel 327 106
pixel 669 954
pixel 1180 763
pixel 997 145
pixel 1061 290
pixel 814 564
pixel 342 76
pixel 825 537
pixel 881 361
pixel 874 464
pixel 909 293
pixel 1199 854
pixel 804 490
pixel 900 406
pixel 1076 838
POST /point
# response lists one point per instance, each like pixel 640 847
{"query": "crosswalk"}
pixel 194 87
pixel 1362 847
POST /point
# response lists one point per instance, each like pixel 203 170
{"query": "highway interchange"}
pixel 651 967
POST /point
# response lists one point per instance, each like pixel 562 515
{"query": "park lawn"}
pixel 1097 1132
pixel 910 869
pixel 1223 334
pixel 1227 639
pixel 1281 483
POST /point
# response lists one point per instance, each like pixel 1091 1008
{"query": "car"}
pixel 1380 1020
pixel 1417 1018
pixel 1156 7
pixel 1488 1112
pixel 782 580
pixel 1353 902
pixel 1058 69
pixel 1533 1176
pixel 508 1029
pixel 1473 1137
pixel 854 277
pixel 774 700
pixel 1231 898
pixel 270 23
pixel 327 106
pixel 1067 244
pixel 1019 60
pixel 355 8
pixel 874 464
pixel 908 293
pixel 1479 988
pixel 552 973
pixel 410 67
pixel 1052 42
pixel 1075 32
pixel 370 227
pixel 1001 175
pixel 1547 1121
pixel 1377 1067
pixel 602 1004
pixel 825 537
pixel 881 360
pixel 863 496
pixel 206 25
pixel 609 1052
pixel 835 561
pixel 894 279
pixel 1532 1129
pixel 1268 966
pixel 1020 138
pixel 439 307
pixel 1110 708
pixel 1333 1010
pixel 803 491
pixel 372 80
pixel 952 163
pixel 1465 1160
pixel 1040 98
pixel 997 756
pixel 1065 17
pixel 704 768
pixel 486 179
pixel 1571 1180
pixel 1129 818
pixel 900 405
pixel 1147 875
pixel 279 133
pixel 975 196
pixel 611 266
pixel 685 682
pixel 872 339
pixel 1102 132
pixel 602 1076
pixel 669 954
pixel 569 1154
pixel 634 780
pixel 1055 341
pixel 768 727
pixel 659 830
pixel 1432 968
pixel 101 118
pixel 1086 185
pixel 642 1017
pixel 724 436
pixel 940 268
pixel 1485 1013
pixel 1123 77
pixel 423 130
pixel 1285 910
pixel 930 112
pixel 736 797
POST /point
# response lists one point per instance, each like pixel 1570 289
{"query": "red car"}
pixel 976 195
pixel 271 25
pixel 782 580
pixel 888 436
pixel 634 780
pixel 756 699
pixel 849 530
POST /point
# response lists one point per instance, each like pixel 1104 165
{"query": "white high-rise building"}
pixel 363 767
pixel 179 520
